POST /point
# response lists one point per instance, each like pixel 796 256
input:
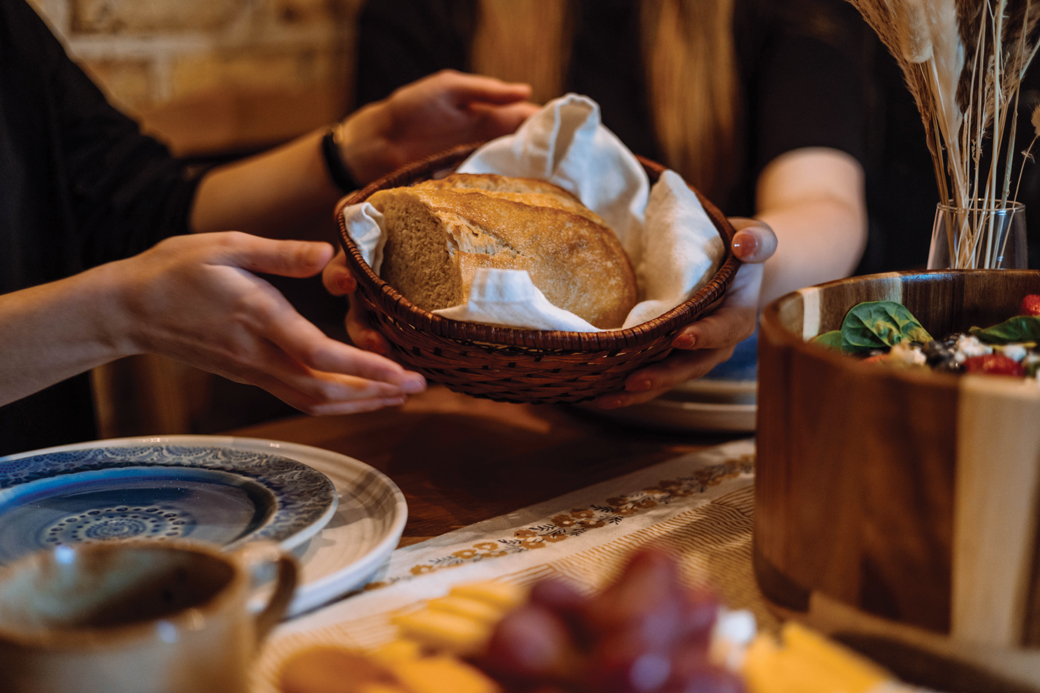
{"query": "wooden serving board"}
pixel 907 498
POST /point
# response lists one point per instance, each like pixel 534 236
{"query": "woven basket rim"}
pixel 392 302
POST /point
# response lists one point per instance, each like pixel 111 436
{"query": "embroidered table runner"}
pixel 698 506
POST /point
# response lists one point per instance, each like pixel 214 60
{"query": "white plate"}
pixel 361 535
pixel 343 548
pixel 716 390
pixel 667 415
pixel 188 487
pixel 705 405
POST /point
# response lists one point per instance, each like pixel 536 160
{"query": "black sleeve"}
pixel 400 41
pixel 120 192
pixel 808 87
pixel 127 192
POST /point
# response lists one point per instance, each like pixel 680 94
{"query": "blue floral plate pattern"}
pixel 125 489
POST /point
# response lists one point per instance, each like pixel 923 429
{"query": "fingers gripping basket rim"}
pixel 513 364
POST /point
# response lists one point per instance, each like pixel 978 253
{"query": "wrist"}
pixel 335 164
pixel 364 147
pixel 112 320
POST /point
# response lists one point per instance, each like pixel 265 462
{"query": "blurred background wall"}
pixel 213 76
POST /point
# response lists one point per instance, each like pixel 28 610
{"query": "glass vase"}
pixel 979 238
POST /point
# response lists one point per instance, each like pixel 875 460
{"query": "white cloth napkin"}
pixel 669 238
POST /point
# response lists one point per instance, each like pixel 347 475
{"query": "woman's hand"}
pixel 287 191
pixel 428 116
pixel 339 281
pixel 198 299
pixel 704 344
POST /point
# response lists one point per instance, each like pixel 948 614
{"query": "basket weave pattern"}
pixel 511 364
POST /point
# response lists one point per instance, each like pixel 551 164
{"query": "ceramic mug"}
pixel 137 617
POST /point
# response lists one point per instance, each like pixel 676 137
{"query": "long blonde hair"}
pixel 688 57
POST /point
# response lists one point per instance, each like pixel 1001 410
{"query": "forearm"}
pixel 282 193
pixel 815 202
pixel 288 192
pixel 53 331
pixel 818 240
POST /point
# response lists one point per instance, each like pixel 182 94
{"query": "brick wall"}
pixel 153 56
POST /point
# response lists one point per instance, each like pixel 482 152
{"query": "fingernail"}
pixel 611 402
pixel 376 345
pixel 684 341
pixel 414 385
pixel 639 385
pixel 744 245
pixel 346 283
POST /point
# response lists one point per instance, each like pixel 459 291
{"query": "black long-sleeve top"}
pixel 799 64
pixel 812 74
pixel 79 186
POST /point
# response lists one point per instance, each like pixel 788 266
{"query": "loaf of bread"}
pixel 439 233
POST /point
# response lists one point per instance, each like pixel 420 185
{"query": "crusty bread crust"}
pixel 440 232
pixel 495 183
pixel 505 185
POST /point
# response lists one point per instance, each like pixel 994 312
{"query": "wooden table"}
pixel 460 460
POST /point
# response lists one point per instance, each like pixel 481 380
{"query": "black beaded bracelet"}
pixel 338 171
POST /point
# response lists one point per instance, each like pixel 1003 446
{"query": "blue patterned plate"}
pixel 132 489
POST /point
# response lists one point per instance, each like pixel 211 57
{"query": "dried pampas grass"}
pixel 963 61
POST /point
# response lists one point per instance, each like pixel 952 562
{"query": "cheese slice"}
pixel 443 675
pixel 469 607
pixel 397 651
pixel 498 594
pixel 808 662
pixel 440 630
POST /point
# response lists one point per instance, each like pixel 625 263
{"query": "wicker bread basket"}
pixel 512 364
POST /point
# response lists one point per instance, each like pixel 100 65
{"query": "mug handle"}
pixel 257 557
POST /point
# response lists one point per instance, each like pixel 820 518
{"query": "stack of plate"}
pixel 696 405
pixel 722 401
pixel 341 517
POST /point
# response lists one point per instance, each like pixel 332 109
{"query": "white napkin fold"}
pixel 669 238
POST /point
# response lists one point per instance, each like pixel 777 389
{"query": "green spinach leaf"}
pixel 880 325
pixel 829 340
pixel 1021 328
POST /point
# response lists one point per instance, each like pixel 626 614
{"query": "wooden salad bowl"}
pixel 902 503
